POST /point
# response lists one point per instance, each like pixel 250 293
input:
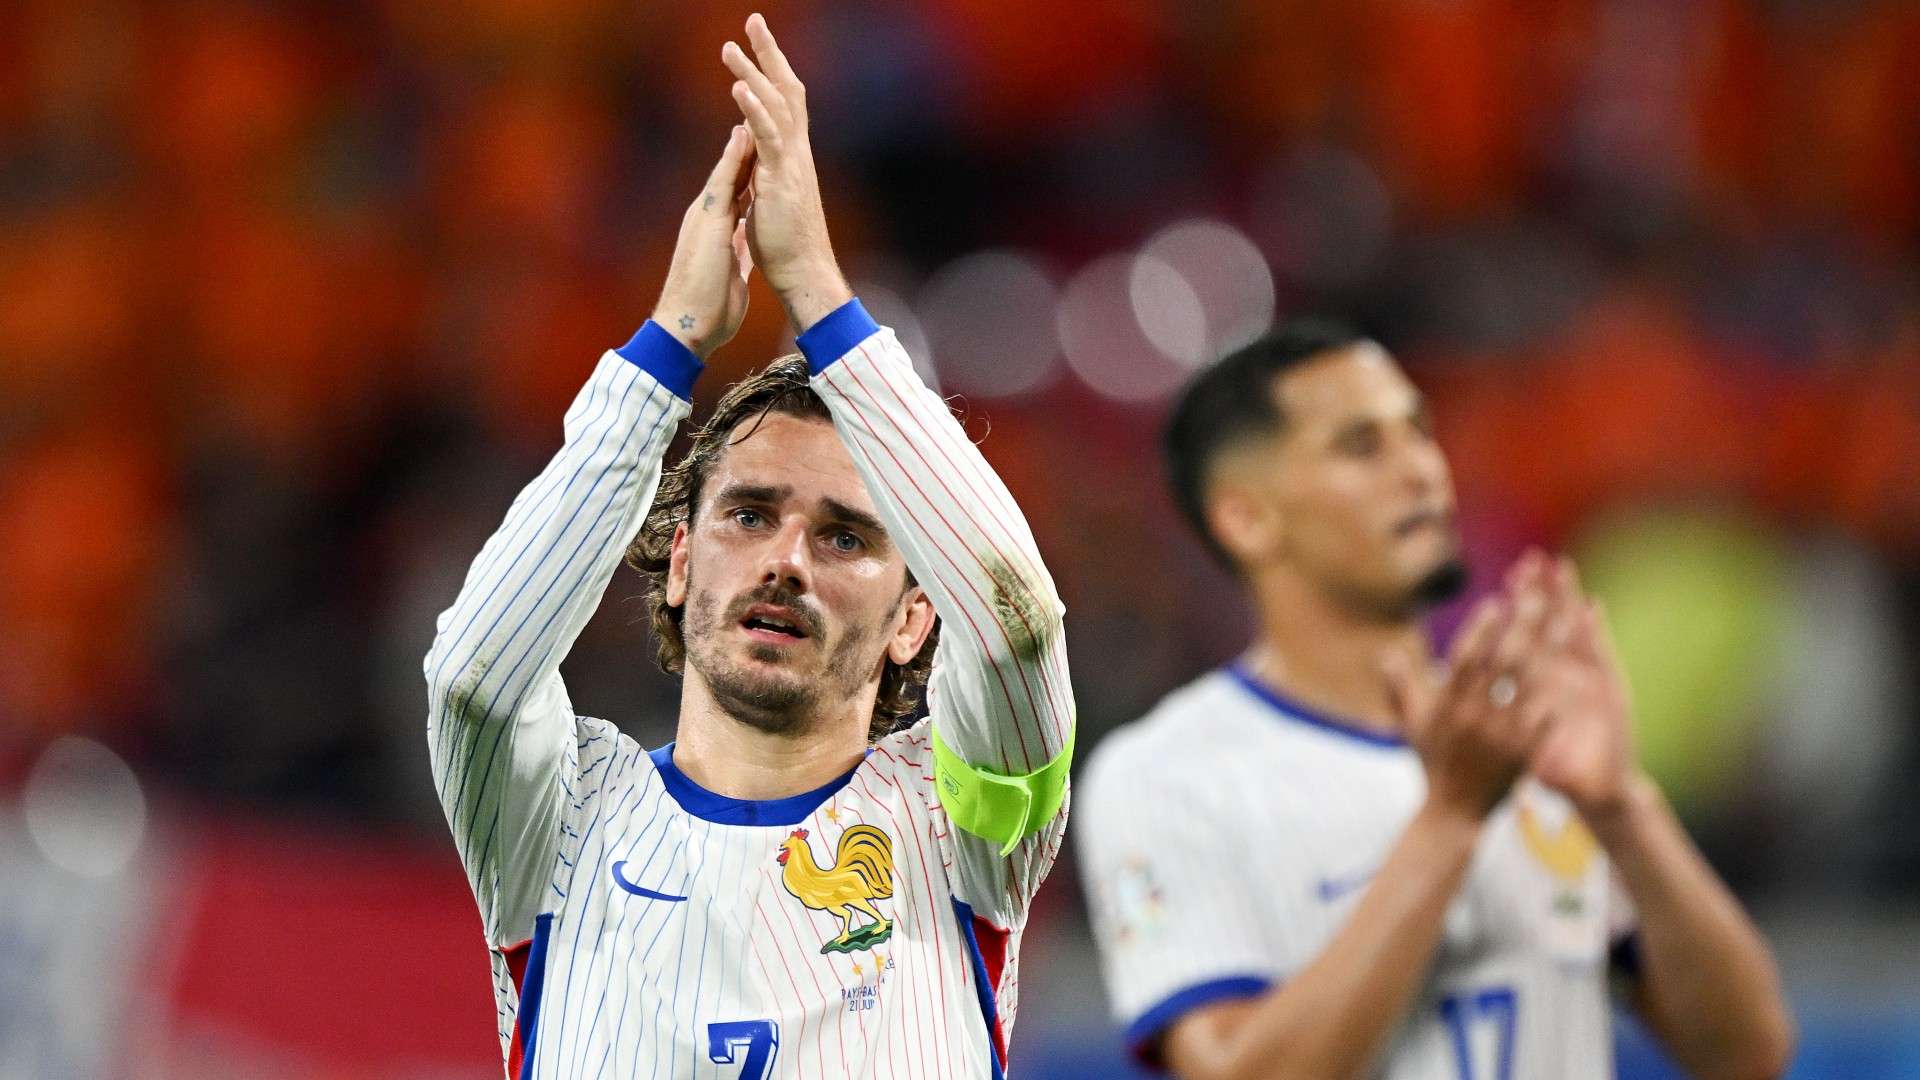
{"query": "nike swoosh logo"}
pixel 1331 889
pixel 620 879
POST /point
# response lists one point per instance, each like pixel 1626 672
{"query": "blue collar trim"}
pixel 1293 710
pixel 727 810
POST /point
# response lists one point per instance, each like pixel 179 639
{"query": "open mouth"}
pixel 773 625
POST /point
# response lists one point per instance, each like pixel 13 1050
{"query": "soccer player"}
pixel 1334 858
pixel 791 888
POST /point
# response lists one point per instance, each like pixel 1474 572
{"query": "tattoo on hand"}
pixel 686 322
pixel 707 202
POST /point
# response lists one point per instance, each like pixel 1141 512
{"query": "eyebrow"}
pixel 840 511
pixel 756 493
pixel 769 494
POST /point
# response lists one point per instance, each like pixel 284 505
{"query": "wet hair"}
pixel 1232 402
pixel 782 387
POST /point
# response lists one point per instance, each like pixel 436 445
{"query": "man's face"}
pixel 1353 492
pixel 795 596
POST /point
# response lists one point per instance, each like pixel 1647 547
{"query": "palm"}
pixel 1587 752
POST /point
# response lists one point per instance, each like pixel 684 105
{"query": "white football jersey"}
pixel 1226 837
pixel 642 926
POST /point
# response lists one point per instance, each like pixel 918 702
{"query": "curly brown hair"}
pixel 782 387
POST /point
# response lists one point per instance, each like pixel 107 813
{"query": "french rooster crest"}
pixel 862 872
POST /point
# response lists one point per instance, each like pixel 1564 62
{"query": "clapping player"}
pixel 1334 858
pixel 795 886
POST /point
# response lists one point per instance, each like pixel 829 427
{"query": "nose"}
pixel 788 559
pixel 1424 466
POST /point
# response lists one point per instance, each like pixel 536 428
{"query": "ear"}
pixel 911 626
pixel 677 567
pixel 1249 527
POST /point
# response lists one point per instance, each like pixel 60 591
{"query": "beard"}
pixel 1443 582
pixel 772 692
pixel 1440 584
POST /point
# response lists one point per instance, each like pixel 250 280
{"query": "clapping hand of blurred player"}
pixel 1533 686
pixel 786 225
pixel 705 295
pixel 1586 752
pixel 1477 725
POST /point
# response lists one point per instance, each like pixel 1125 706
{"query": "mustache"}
pixel 779 595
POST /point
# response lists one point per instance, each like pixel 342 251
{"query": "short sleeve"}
pixel 1176 927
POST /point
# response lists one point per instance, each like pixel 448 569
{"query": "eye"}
pixel 846 542
pixel 748 518
pixel 1360 442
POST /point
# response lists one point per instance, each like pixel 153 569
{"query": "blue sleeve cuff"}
pixel 835 336
pixel 1143 1035
pixel 661 355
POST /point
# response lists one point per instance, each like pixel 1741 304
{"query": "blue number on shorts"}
pixel 760 1037
pixel 1494 1005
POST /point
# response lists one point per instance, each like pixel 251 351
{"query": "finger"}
pixel 1522 630
pixel 743 69
pixel 1563 606
pixel 1523 569
pixel 1474 633
pixel 1473 670
pixel 742 252
pixel 766 133
pixel 772 60
pixel 744 182
pixel 725 178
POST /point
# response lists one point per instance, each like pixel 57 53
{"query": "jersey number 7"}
pixel 761 1038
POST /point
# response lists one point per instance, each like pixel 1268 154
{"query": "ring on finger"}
pixel 1503 690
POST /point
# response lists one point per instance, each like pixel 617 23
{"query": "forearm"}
pixel 967 544
pixel 539 577
pixel 1708 982
pixel 1332 1018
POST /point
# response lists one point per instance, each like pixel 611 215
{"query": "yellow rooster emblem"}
pixel 862 872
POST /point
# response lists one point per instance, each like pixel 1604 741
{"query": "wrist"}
pixel 689 330
pixel 1616 820
pixel 1451 820
pixel 811 291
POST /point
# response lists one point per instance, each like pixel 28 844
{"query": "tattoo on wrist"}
pixel 686 323
pixel 706 203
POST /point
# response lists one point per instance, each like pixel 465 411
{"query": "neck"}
pixel 731 757
pixel 1327 655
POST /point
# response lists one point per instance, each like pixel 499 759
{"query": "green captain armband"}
pixel 999 809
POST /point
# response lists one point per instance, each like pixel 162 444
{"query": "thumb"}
pixel 742 251
pixel 724 182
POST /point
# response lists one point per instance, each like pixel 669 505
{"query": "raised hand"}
pixel 1476 728
pixel 1588 754
pixel 705 296
pixel 787 226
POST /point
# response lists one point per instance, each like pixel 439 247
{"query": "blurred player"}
pixel 1324 861
pixel 791 888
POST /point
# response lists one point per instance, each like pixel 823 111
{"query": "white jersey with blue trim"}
pixel 1227 836
pixel 640 925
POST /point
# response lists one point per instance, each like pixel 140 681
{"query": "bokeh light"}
pixel 1103 335
pixel 84 808
pixel 1227 278
pixel 989 324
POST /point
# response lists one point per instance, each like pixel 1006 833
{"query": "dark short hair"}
pixel 1233 401
pixel 782 387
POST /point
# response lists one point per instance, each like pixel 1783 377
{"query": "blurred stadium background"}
pixel 292 296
